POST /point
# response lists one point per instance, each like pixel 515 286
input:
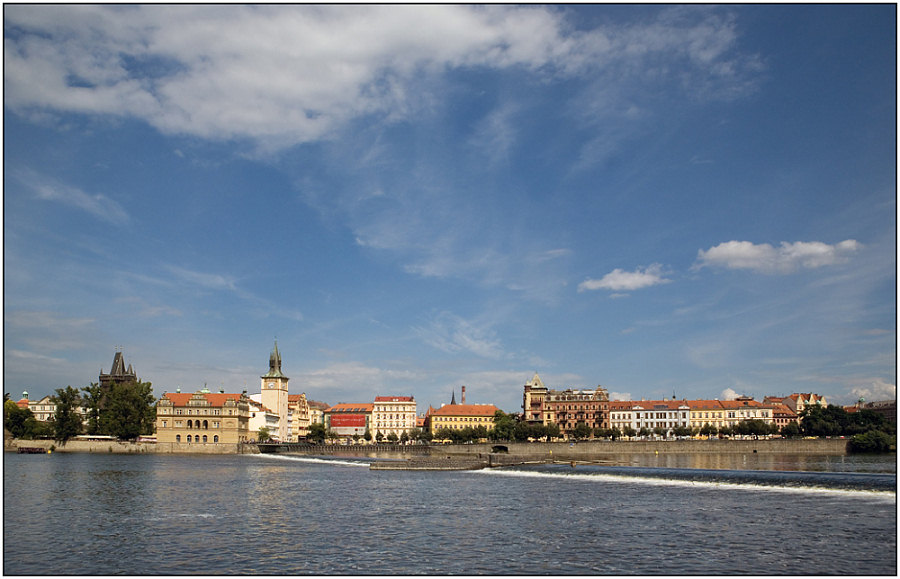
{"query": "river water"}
pixel 75 514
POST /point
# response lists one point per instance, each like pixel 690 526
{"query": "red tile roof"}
pixel 214 398
pixel 465 410
pixel 705 405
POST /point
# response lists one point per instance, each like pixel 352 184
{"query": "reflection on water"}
pixel 175 515
pixel 784 462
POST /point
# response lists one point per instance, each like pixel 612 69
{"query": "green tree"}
pixel 790 430
pixel 872 441
pixel 504 426
pixel 681 431
pixel 19 421
pixel 521 431
pixel 392 437
pixel 378 436
pixel 263 434
pixel 629 431
pixel 367 435
pixel 91 400
pixel 316 433
pixel 128 411
pixel 582 431
pixel 553 431
pixel 66 421
pixel 404 437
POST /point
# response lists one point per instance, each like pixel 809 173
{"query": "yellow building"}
pixel 707 412
pixel 298 416
pixel 202 418
pixel 460 416
pixel 746 408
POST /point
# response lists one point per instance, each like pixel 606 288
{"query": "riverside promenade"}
pixel 497 453
pixel 473 456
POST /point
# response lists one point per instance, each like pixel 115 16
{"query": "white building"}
pixel 649 414
pixel 393 414
pixel 262 417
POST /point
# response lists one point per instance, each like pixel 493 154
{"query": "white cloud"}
pixel 787 258
pixel 49 189
pixel 451 333
pixel 48 331
pixel 874 390
pixel 619 280
pixel 212 281
pixel 282 75
pixel 728 394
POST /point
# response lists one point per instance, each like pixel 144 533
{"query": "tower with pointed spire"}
pixel 274 393
pixel 118 374
pixel 533 400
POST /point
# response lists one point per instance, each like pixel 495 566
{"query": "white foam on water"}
pixel 313 460
pixel 653 481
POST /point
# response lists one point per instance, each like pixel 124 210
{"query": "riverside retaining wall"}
pixel 117 447
pixel 585 450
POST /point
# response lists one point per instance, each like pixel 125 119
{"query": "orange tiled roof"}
pixel 705 405
pixel 214 398
pixel 394 399
pixel 466 410
pixel 782 409
pixel 740 404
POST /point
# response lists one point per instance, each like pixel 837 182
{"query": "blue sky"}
pixel 698 200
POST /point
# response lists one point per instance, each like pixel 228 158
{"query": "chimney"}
pixel 463 395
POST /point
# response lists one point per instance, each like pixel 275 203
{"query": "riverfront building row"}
pixel 205 417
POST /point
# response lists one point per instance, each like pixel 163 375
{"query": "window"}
pixel 204 439
pixel 216 438
pixel 177 438
pixel 189 438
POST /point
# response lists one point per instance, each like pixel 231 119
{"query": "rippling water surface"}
pixel 163 514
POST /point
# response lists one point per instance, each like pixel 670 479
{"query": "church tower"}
pixel 274 390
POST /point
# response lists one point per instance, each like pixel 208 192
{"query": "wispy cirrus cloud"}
pixel 787 258
pixel 451 333
pixel 282 75
pixel 619 280
pixel 50 189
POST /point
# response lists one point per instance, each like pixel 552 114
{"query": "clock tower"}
pixel 274 390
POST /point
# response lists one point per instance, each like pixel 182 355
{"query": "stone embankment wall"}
pixel 592 449
pixel 585 450
pixel 116 447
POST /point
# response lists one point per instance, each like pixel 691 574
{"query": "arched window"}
pixel 190 424
pixel 177 438
pixel 204 439
pixel 189 438
pixel 216 438
pixel 205 426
